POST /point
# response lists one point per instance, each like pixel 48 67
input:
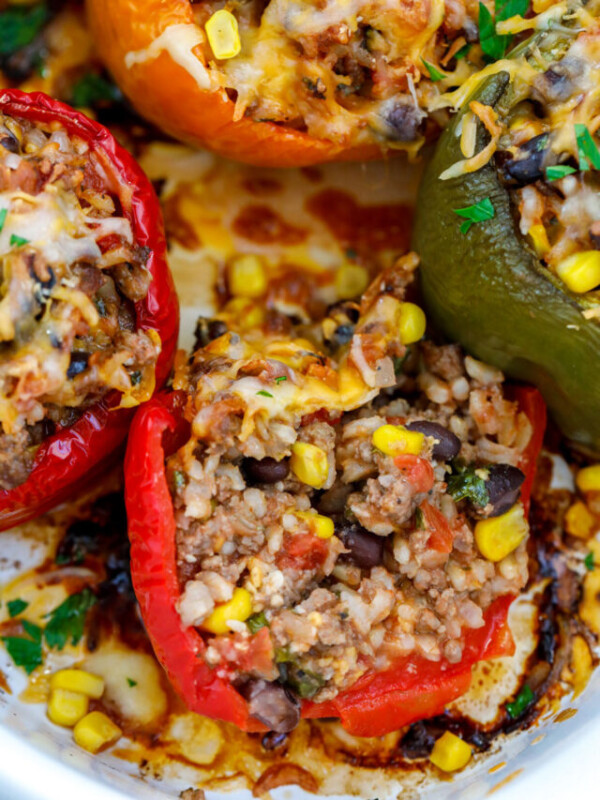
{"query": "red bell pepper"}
pixel 378 702
pixel 67 460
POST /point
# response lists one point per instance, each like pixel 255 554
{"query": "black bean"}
pixel 267 470
pixel 366 549
pixel 273 705
pixel 9 142
pixel 273 741
pixel 503 486
pixel 447 444
pixel 532 159
pixel 78 364
pixel 208 329
pixel 556 83
pixel 405 121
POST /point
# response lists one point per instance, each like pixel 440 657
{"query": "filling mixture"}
pixel 340 507
pixel 350 71
pixel 544 133
pixel 70 275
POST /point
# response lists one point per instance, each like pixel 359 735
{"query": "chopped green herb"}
pixel 351 253
pixel 100 306
pixel 464 51
pixel 131 682
pixel 3 215
pixel 419 520
pixel 589 155
pixel 494 45
pixel 17 241
pixel 178 479
pixel 67 621
pixel 521 702
pixel 135 378
pixel 93 89
pixel 304 683
pixel 434 73
pixel 589 561
pixel 399 362
pixel 26 653
pixel 478 212
pixel 15 607
pixel 257 621
pixel 262 393
pixel 559 171
pixel 280 379
pixel 19 26
pixel 466 484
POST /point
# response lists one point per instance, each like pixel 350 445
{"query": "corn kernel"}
pixel 412 323
pixel 96 731
pixel 579 521
pixel 350 281
pixel 581 271
pixel 309 464
pixel 321 526
pixel 67 708
pixel 247 277
pixel 539 239
pixel 239 608
pixel 223 34
pixel 497 537
pixel 393 440
pixel 78 680
pixel 450 753
pixel 588 478
pixel 247 314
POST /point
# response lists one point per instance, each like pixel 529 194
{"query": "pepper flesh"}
pixel 165 93
pixel 379 702
pixel 68 460
pixel 489 291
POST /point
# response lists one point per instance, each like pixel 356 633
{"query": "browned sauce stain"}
pixel 362 227
pixel 505 781
pixel 178 228
pixel 4 687
pixel 260 224
pixel 261 187
pixel 568 713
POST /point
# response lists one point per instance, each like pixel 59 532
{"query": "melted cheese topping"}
pixel 183 43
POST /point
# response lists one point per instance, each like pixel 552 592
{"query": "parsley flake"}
pixel 466 484
pixel 17 241
pixel 67 621
pixel 280 379
pixel 15 607
pixel 478 212
pixel 26 651
pixel 257 621
pixel 131 682
pixel 93 89
pixel 3 215
pixel 19 26
pixel 589 561
pixel 135 378
pixel 521 702
pixel 494 45
pixel 559 171
pixel 434 73
pixel 589 156
pixel 262 393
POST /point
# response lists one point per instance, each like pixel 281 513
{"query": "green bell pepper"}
pixel 487 289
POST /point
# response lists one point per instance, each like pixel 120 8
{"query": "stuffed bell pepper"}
pixel 282 83
pixel 329 519
pixel 88 312
pixel 508 225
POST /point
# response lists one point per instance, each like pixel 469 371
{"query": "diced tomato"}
pixel 418 471
pixel 302 551
pixel 322 415
pixel 441 537
pixel 258 658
